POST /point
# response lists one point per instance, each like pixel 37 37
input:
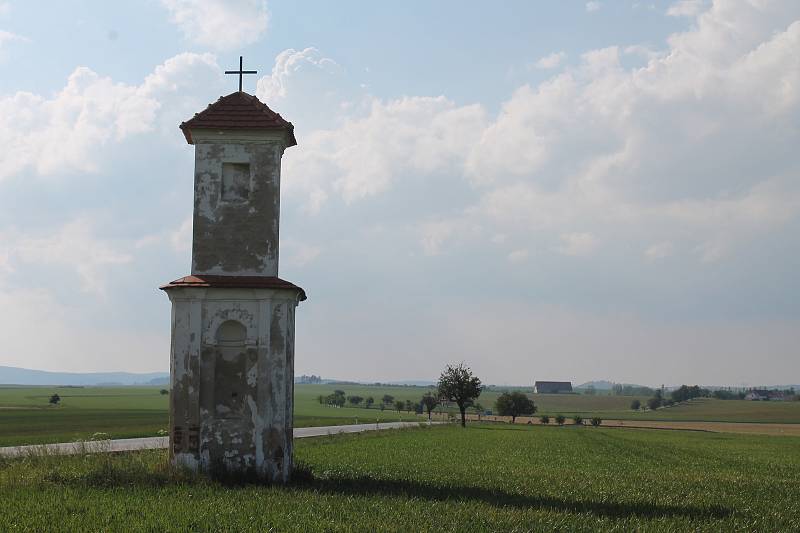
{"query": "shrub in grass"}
pixel 654 403
pixel 544 419
pixel 636 405
pixel 577 420
pixel 596 421
pixel 560 419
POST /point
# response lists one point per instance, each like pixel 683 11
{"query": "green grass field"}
pixel 708 410
pixel 125 412
pixel 122 412
pixel 483 478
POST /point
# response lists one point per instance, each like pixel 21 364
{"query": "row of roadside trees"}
pixel 456 384
pixel 338 398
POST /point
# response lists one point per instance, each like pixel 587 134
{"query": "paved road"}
pixel 152 443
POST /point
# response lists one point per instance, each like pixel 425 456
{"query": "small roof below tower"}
pixel 205 281
pixel 238 111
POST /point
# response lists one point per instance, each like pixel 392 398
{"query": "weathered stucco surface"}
pixel 232 352
pixel 231 398
pixel 236 220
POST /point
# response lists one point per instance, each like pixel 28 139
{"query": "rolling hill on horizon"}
pixel 10 375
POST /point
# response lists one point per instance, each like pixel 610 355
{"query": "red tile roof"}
pixel 237 111
pixel 233 282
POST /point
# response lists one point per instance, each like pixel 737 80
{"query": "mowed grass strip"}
pixel 484 478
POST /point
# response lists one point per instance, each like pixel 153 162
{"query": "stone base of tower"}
pixel 232 375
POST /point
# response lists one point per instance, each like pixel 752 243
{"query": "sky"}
pixel 562 190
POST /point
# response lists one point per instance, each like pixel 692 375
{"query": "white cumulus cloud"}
pixel 518 256
pixel 415 135
pixel 659 251
pixel 308 65
pixel 64 133
pixel 577 244
pixel 551 61
pixel 73 247
pixel 687 8
pixel 310 90
pixel 49 334
pixel 219 24
pixel 8 37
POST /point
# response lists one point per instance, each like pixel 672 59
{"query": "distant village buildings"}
pixel 765 395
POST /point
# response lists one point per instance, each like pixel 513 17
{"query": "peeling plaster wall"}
pixel 231 401
pixel 235 226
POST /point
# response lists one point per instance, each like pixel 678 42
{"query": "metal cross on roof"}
pixel 240 72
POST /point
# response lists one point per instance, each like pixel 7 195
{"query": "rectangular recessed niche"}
pixel 235 182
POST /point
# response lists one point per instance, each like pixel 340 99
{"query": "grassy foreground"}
pixel 484 478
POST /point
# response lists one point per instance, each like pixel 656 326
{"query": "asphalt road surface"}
pixel 153 443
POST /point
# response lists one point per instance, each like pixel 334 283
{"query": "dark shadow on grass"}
pixel 505 426
pixel 365 486
pixel 109 475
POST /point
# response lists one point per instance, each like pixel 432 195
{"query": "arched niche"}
pixel 231 333
pixel 230 370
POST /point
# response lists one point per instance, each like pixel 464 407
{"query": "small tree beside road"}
pixel 429 403
pixel 458 385
pixel 514 404
pixel 55 399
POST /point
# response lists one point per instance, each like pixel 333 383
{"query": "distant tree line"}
pixel 722 394
pixel 685 393
pixel 338 398
pixel 620 389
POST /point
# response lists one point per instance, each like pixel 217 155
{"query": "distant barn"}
pixel 552 387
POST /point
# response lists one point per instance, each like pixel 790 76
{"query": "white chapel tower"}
pixel 232 350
